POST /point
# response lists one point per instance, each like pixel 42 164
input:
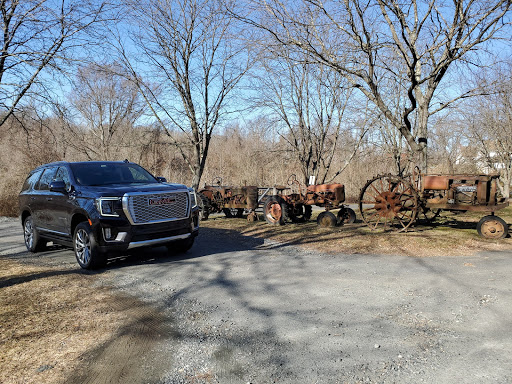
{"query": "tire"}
pixel 308 211
pixel 326 219
pixel 275 210
pixel 346 216
pixel 492 227
pixel 205 207
pixel 180 246
pixel 33 241
pixel 86 250
pixel 300 213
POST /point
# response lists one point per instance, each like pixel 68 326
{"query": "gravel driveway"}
pixel 244 310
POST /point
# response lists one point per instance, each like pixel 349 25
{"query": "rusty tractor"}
pixel 232 201
pixel 295 203
pixel 393 202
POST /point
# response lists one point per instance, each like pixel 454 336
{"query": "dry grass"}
pixel 450 235
pixel 48 318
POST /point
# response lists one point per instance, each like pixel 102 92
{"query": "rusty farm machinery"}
pixel 295 203
pixel 394 202
pixel 232 201
pixel 285 203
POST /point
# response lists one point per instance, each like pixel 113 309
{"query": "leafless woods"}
pixel 253 91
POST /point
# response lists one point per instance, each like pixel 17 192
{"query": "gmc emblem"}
pixel 162 201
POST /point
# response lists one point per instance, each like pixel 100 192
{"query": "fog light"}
pixel 108 233
pixel 121 236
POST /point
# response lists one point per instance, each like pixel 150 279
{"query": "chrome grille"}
pixel 145 208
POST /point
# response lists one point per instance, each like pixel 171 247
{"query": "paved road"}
pixel 244 310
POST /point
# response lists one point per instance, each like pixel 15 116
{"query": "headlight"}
pixel 193 198
pixel 107 206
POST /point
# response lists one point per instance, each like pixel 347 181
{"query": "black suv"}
pixel 103 208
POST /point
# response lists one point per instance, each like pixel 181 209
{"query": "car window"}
pixel 97 174
pixel 63 175
pixel 46 179
pixel 31 180
pixel 139 174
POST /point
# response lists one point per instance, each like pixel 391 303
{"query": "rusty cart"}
pixel 394 202
pixel 232 201
pixel 295 203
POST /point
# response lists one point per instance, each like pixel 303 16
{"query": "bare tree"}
pixel 368 40
pixel 490 128
pixel 189 51
pixel 309 102
pixel 39 35
pixel 108 106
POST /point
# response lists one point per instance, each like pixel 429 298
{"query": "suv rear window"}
pixel 96 174
pixel 31 180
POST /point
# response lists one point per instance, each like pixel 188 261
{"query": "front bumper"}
pixel 115 234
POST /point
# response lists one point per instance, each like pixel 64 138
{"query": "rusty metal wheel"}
pixel 492 227
pixel 275 210
pixel 388 202
pixel 346 215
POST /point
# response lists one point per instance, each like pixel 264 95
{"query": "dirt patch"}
pixel 57 325
pixel 449 235
pixel 129 356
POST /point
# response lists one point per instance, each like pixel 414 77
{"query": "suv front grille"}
pixel 156 207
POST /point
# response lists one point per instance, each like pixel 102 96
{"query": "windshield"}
pixel 95 174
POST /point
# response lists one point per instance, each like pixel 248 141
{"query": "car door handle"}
pixel 49 198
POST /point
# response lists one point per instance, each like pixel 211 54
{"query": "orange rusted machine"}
pixel 232 201
pixel 294 203
pixel 389 201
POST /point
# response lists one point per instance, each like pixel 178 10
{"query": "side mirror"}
pixel 58 186
pixel 161 179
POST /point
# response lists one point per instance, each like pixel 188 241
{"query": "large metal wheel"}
pixel 346 215
pixel 275 210
pixel 492 227
pixel 388 202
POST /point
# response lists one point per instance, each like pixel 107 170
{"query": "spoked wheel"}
pixel 275 210
pixel 388 202
pixel 300 213
pixel 492 227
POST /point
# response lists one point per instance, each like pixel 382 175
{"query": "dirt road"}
pixel 242 310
